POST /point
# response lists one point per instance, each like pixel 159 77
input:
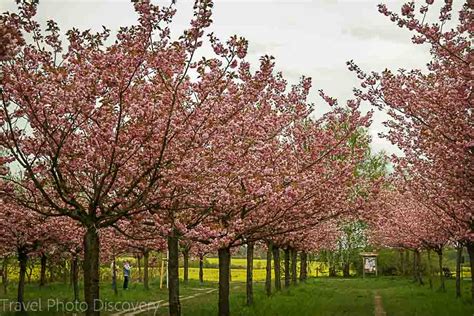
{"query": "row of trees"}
pixel 430 201
pixel 144 139
pixel 144 143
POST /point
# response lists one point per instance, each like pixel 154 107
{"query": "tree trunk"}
pixel 303 266
pixel 442 287
pixel 415 276
pixel 29 271
pixel 173 275
pixel 43 270
pixel 70 275
pixel 470 251
pixel 268 276
pixel 75 278
pixel 224 281
pixel 230 270
pixel 146 259
pixel 346 270
pixel 114 275
pixel 277 268
pixel 52 275
pixel 201 269
pixel 66 271
pixel 294 266
pixel 332 265
pixel 5 275
pixel 91 271
pixel 23 260
pixel 186 266
pixel 287 267
pixel 419 276
pixel 139 263
pixel 458 269
pixel 250 248
pixel 407 261
pixel 402 263
pixel 430 273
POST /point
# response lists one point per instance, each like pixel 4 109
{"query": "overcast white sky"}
pixel 313 38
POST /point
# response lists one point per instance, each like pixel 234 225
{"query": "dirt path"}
pixel 378 310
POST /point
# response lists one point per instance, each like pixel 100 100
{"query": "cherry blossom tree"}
pixel 431 112
pixel 311 157
pixel 99 130
pixel 25 234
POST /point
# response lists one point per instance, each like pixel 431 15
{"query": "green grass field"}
pixel 337 296
pixel 318 296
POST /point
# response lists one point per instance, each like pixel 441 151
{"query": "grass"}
pixel 401 297
pixel 64 293
pixel 336 296
pixel 318 296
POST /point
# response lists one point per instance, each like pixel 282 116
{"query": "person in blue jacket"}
pixel 126 275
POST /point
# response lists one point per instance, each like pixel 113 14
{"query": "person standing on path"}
pixel 126 275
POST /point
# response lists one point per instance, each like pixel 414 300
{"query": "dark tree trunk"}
pixel 303 266
pixel 5 276
pixel 277 267
pixel 430 273
pixel 268 276
pixel 201 269
pixel 186 266
pixel 173 276
pixel 470 251
pixel 114 275
pixel 66 271
pixel 294 266
pixel 146 260
pixel 442 287
pixel 75 278
pixel 418 267
pixel 415 275
pixel 52 275
pixel 407 261
pixel 70 275
pixel 224 281
pixel 43 270
pixel 91 271
pixel 23 260
pixel 458 269
pixel 29 271
pixel 332 265
pixel 230 272
pixel 346 270
pixel 250 248
pixel 287 267
pixel 402 263
pixel 139 263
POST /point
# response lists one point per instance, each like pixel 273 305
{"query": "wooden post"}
pixel 162 271
pixel 268 269
pixel 363 267
pixel 376 266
